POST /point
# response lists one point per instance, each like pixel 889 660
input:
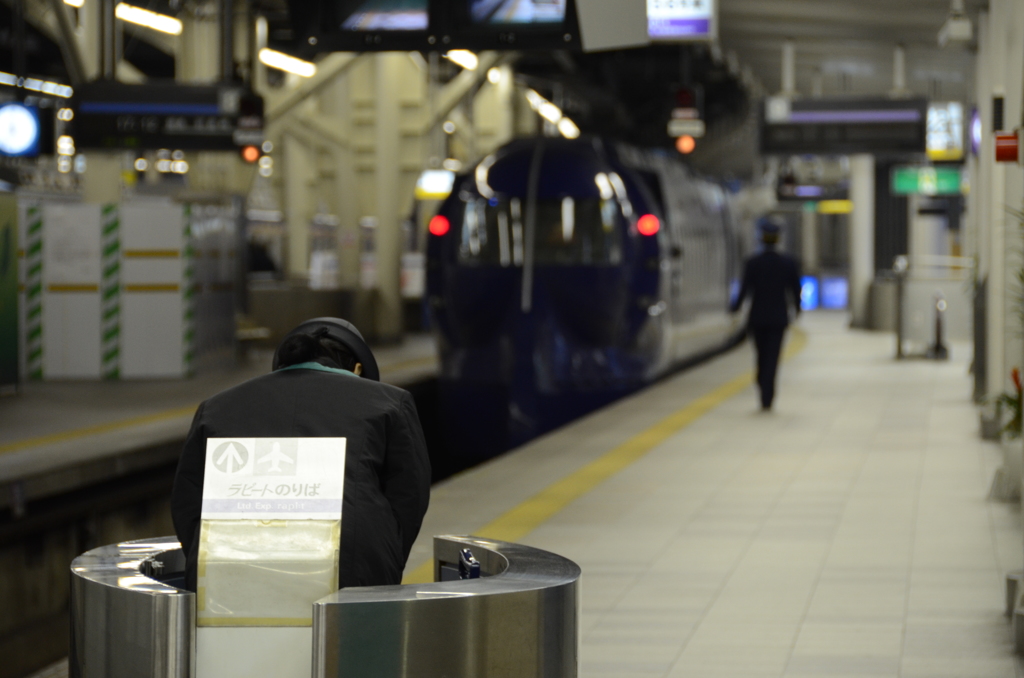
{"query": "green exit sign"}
pixel 921 180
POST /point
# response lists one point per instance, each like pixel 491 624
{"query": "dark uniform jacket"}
pixel 387 471
pixel 767 277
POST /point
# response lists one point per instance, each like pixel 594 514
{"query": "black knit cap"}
pixel 343 332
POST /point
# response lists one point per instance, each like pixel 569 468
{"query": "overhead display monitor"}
pixel 20 130
pixel 682 20
pixel 502 12
pixel 367 25
pixel 385 15
pixel 513 24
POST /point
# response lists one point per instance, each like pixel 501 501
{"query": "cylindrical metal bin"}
pixel 520 620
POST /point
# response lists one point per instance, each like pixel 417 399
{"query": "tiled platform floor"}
pixel 847 533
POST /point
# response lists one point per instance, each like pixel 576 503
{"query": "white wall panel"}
pixel 71 337
pixel 151 335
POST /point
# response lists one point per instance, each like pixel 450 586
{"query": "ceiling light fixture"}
pixel 464 58
pixel 144 17
pixel 286 62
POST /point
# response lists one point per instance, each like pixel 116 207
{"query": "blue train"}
pixel 564 274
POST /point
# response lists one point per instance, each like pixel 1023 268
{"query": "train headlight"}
pixel 648 224
pixel 439 225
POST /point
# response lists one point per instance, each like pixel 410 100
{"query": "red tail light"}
pixel 439 225
pixel 648 224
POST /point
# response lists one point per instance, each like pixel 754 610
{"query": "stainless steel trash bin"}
pixel 519 620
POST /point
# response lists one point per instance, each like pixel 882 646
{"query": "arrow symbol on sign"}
pixel 230 459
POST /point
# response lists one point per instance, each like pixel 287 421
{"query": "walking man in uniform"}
pixel 772 281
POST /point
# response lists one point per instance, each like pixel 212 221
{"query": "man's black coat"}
pixel 767 277
pixel 387 471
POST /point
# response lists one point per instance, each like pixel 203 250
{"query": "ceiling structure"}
pixel 843 47
pixel 849 44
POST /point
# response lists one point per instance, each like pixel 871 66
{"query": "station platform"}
pixel 845 533
pixel 55 425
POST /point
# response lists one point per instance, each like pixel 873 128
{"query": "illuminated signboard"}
pixel 673 20
pixel 914 180
pixel 945 131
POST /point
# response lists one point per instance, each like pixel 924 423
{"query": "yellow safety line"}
pixel 99 428
pixel 538 509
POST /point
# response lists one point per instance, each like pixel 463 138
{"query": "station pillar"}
pixel 1000 186
pixel 389 195
pixel 809 241
pixel 861 237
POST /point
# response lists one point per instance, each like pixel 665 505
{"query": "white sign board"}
pixel 681 19
pixel 678 128
pixel 73 249
pixel 274 478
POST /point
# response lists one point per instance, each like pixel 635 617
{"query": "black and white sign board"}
pixel 274 478
pixel 269 543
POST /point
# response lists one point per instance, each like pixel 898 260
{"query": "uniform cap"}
pixel 343 332
pixel 770 227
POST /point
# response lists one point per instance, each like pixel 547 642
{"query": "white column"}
pixel 298 208
pixel 899 72
pixel 809 241
pixel 788 68
pixel 926 233
pixel 387 180
pixel 199 57
pixel 1013 187
pixel 862 237
pixel 996 44
pixel 101 182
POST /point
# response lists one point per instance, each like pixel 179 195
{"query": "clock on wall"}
pixel 20 130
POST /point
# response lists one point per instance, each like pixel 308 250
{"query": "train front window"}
pixel 492 233
pixel 569 232
pixel 573 232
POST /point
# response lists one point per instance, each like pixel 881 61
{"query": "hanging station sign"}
pixel 682 20
pixel 842 126
pixel 111 115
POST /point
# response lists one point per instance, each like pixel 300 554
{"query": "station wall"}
pixel 139 289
